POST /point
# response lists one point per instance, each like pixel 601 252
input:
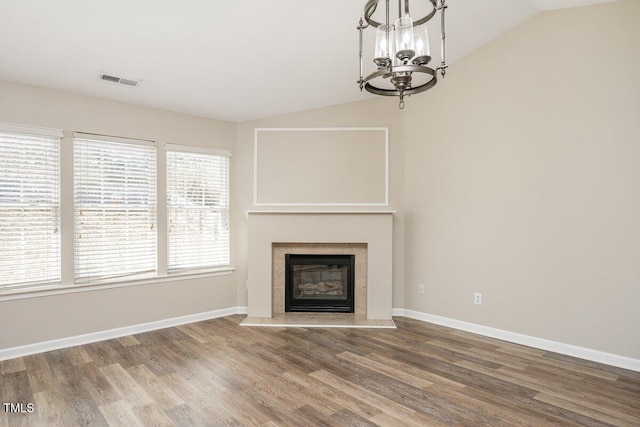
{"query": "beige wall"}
pixel 374 113
pixel 44 318
pixel 521 182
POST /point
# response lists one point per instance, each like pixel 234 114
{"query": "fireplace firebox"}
pixel 319 283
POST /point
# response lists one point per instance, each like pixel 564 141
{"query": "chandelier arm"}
pixel 386 20
pixel 369 8
pixel 360 28
pixel 388 72
pixel 443 63
pixel 408 68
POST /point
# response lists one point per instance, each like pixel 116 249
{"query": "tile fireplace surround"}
pixel 365 234
pixel 279 250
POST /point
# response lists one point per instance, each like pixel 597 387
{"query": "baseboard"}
pixel 542 344
pixel 539 343
pixel 26 350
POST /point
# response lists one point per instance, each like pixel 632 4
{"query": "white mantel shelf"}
pixel 323 212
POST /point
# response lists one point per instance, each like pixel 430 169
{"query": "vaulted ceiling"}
pixel 233 60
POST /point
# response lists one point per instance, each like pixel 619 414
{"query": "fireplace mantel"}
pixel 372 228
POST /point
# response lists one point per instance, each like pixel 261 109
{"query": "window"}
pixel 115 210
pixel 197 209
pixel 29 205
pixel 115 207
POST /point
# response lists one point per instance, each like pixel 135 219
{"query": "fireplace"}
pixel 365 234
pixel 319 283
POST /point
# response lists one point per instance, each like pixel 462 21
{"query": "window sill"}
pixel 61 289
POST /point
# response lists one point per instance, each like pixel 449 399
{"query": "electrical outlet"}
pixel 477 298
pixel 421 289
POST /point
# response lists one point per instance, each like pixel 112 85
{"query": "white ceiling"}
pixel 233 60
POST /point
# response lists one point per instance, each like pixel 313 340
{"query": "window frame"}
pixel 147 153
pixel 176 148
pixel 24 131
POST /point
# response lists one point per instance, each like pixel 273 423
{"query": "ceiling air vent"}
pixel 119 80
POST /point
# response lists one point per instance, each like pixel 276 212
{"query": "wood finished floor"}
pixel 218 373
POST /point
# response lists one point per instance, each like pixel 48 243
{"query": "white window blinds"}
pixel 29 205
pixel 197 209
pixel 115 207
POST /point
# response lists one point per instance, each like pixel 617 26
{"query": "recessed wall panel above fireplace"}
pixel 321 166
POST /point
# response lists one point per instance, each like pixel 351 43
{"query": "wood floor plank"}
pixel 196 332
pixel 385 370
pixel 600 414
pixel 530 415
pixel 153 415
pixel 425 401
pixel 390 407
pixel 163 396
pixel 216 373
pixel 303 394
pixel 120 414
pixel 128 341
pixel 202 396
pixel 630 383
pixel 338 397
pixel 494 415
pixel 196 364
pixel 186 416
pixel 99 388
pixel 39 372
pixel 439 380
pixel 575 392
pixel 575 362
pixel 584 380
pixel 104 353
pixel 250 409
pixel 77 355
pixel 232 422
pixel 16 390
pixel 498 359
pixel 51 410
pixel 4 421
pixel 12 365
pixel 160 336
pixel 69 400
pixel 120 379
pixel 575 367
pixel 153 359
pixel 309 415
pixel 72 388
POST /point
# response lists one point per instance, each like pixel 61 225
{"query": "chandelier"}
pixel 401 52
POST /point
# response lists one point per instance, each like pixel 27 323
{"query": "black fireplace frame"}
pixel 319 305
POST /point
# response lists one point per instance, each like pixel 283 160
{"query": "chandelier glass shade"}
pixel 401 52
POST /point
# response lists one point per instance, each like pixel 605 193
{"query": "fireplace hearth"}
pixel 319 283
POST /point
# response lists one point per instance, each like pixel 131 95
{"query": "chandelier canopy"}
pixel 401 51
